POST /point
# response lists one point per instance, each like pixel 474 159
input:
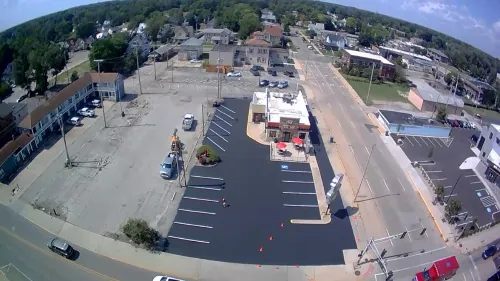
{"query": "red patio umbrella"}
pixel 281 145
pixel 297 140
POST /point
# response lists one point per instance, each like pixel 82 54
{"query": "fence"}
pixel 213 68
pixel 289 155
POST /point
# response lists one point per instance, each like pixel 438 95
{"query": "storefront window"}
pixel 302 135
pixel 272 134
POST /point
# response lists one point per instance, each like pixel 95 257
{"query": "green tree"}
pixel 85 29
pixel 74 76
pixel 452 209
pixel 286 27
pixel 248 24
pixel 352 25
pixel 449 78
pixel 109 49
pixel 135 21
pixel 311 33
pixel 5 90
pixel 166 35
pixel 140 233
pixel 439 192
pixel 56 59
pixel 329 25
pixel 441 114
pixel 6 56
pixel 154 24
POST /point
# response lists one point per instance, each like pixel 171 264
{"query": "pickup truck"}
pixel 187 122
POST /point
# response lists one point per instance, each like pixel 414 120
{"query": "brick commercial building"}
pixel 356 59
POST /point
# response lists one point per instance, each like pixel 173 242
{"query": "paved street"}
pixel 385 187
pixel 24 245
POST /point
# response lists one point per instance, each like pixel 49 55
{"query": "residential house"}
pixel 218 35
pixel 141 28
pixel 43 121
pixel 13 154
pixel 416 40
pixel 267 16
pixel 437 55
pixel 333 41
pixel 102 35
pixel 63 45
pixel 183 33
pixel 191 49
pixel 223 55
pixel 356 59
pixel 271 34
pixel 19 111
pixel 83 44
pixel 141 42
pixel 164 52
pixel 257 52
pixel 7 123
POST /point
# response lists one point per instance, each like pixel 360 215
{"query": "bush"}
pixel 140 232
pixel 206 155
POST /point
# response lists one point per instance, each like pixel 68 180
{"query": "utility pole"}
pixel 68 163
pixel 364 173
pixel 203 119
pixel 154 65
pixel 138 70
pixel 218 73
pixel 99 89
pixel 370 85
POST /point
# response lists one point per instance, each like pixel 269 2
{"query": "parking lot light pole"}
pixel 68 163
pixel 99 89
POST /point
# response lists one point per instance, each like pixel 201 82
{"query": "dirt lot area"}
pixel 117 172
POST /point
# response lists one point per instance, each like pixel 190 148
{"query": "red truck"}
pixel 439 270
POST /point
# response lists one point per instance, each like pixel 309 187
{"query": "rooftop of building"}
pixel 428 93
pixel 496 127
pixel 291 105
pixel 274 30
pixel 217 30
pixel 438 52
pixel 369 56
pixel 14 146
pixel 257 42
pixel 224 48
pixel 53 102
pixel 401 52
pixel 5 110
pixel 163 49
pixel 402 118
pixel 193 41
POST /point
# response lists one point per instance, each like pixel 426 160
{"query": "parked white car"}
pixel 86 112
pixel 75 121
pixel 195 61
pixel 234 74
pixel 96 103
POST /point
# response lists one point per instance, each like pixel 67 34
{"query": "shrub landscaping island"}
pixel 207 156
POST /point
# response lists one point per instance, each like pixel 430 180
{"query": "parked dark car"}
pixel 60 247
pixel 289 74
pixel 257 68
pixel 474 138
pixel 461 123
pixel 272 72
pixel 456 124
pixel 489 252
pixel 255 72
pixel 449 122
pixel 494 277
pixel 264 83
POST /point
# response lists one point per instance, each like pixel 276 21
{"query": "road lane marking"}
pixel 468 176
pixel 367 151
pixel 188 240
pixel 193 225
pixel 209 178
pixel 369 187
pixel 440 179
pixel 408 139
pixel 463 273
pixel 302 206
pixel 197 212
pixel 388 234
pixel 409 234
pixel 50 254
pixel 201 199
pixel 475 182
pixel 472 275
pixel 329 105
pixel 385 183
pixel 352 124
pixel 339 123
pixel 401 184
pixel 451 195
pixel 478 190
pixel 290 171
pixel 422 139
pixel 204 187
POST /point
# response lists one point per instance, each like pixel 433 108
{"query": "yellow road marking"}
pixel 48 253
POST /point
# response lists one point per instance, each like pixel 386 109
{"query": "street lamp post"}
pixel 99 89
pixel 61 126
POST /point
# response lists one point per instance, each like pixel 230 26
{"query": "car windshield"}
pixel 167 166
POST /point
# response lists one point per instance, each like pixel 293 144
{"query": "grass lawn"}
pixel 378 92
pixel 481 111
pixel 64 76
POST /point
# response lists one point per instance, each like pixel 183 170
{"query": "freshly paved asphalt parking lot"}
pixel 469 189
pixel 253 187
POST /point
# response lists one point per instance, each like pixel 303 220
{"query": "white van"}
pixel 75 121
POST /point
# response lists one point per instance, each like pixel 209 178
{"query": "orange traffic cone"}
pixel 271 238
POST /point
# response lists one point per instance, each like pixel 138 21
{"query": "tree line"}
pixel 39 35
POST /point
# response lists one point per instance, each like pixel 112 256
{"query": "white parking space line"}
pixel 432 171
pixel 220 127
pixel 451 195
pixel 440 179
pixel 416 141
pixel 468 176
pixel 476 182
pixel 290 171
pixel 303 206
pixel 221 119
pixel 216 144
pixel 208 178
pixel 367 151
pixel 409 233
pixel 448 186
pixel 229 116
pixel 299 193
pixel 217 134
pixel 472 275
pixel 188 240
pixel 482 189
pixel 438 142
pixel 204 187
pixel 286 181
pixel 228 109
pixel 201 199
pixel 329 105
pixel 408 139
pixel 352 124
pixel 193 225
pixel 463 273
pixel 197 212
